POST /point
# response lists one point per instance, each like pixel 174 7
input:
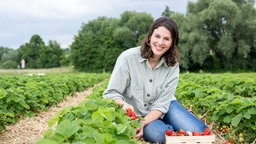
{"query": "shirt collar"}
pixel 162 61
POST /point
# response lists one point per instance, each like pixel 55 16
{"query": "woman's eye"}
pixel 157 36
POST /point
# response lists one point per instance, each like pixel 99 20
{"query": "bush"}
pixel 10 64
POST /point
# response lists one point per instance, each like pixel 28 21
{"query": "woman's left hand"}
pixel 139 133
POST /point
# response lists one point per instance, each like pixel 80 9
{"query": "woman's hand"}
pixel 139 131
pixel 123 103
pixel 127 106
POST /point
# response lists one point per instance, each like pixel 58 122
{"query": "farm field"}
pixel 226 102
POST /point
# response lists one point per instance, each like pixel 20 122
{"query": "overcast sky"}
pixel 61 20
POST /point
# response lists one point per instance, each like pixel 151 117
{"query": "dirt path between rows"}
pixel 30 130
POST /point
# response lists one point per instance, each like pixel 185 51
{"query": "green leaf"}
pixel 3 93
pixel 227 119
pixel 236 120
pixel 96 116
pixel 98 137
pixel 23 103
pixel 107 113
pixel 247 115
pixel 46 141
pixel 67 128
pixel 230 109
pixel 252 110
pixel 121 128
pixel 108 138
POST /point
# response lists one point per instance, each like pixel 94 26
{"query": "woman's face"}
pixel 160 41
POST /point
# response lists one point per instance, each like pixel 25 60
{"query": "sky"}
pixel 61 20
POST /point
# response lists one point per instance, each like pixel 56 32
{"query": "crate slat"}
pixel 190 139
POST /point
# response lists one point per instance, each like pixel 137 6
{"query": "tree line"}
pixel 217 35
pixel 36 55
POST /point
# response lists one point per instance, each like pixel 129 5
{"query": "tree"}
pixel 124 37
pixel 93 42
pixel 8 54
pixel 219 34
pixel 137 22
pixel 50 55
pixel 100 41
pixel 31 51
pixel 167 12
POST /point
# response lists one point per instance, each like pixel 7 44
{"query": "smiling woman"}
pixel 145 79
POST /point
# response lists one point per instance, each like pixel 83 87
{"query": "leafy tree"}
pixel 7 54
pixel 100 41
pixel 50 55
pixel 93 42
pixel 124 37
pixel 9 64
pixel 219 34
pixel 137 22
pixel 31 51
pixel 167 12
pixel 65 59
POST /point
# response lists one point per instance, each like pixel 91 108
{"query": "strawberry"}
pixel 186 134
pixel 207 131
pixel 181 131
pixel 131 114
pixel 174 134
pixel 194 133
pixel 168 132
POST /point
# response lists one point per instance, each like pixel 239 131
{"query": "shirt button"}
pixel 150 80
pixel 145 105
pixel 148 95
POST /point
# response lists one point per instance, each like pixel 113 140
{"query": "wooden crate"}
pixel 190 139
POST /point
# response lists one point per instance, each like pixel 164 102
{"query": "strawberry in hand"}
pixel 131 114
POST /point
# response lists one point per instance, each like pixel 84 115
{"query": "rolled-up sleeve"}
pixel 119 80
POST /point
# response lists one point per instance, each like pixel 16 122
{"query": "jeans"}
pixel 175 119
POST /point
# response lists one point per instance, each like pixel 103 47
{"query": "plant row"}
pixel 23 95
pixel 220 97
pixel 95 120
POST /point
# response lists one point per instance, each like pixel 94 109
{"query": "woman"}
pixel 145 79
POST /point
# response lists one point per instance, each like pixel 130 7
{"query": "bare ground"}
pixel 30 130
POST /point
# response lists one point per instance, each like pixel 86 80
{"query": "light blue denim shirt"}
pixel 146 89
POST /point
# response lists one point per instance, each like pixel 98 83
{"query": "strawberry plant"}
pixel 22 95
pixel 96 120
pixel 225 99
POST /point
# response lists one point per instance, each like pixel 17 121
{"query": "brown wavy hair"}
pixel 172 55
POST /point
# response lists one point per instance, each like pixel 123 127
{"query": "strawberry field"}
pixel 226 102
pixel 25 95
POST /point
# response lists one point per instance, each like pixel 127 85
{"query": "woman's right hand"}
pixel 127 106
pixel 124 104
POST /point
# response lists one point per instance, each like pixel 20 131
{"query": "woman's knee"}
pixel 155 132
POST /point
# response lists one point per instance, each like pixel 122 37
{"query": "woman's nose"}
pixel 160 41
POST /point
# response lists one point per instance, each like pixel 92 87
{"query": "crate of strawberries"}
pixel 186 137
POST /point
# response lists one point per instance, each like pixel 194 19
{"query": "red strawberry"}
pixel 194 133
pixel 186 134
pixel 168 132
pixel 181 131
pixel 207 131
pixel 174 134
pixel 131 114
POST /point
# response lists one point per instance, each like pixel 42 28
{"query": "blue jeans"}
pixel 175 119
